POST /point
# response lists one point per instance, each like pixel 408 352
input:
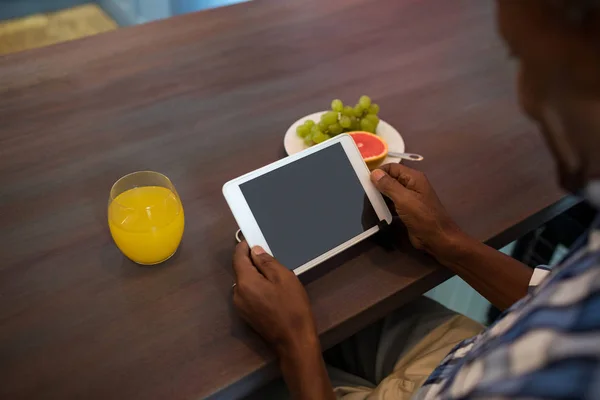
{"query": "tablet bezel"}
pixel 247 223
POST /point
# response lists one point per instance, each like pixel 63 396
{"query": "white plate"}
pixel 293 143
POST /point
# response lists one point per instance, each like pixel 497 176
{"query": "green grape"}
pixel 335 129
pixel 373 118
pixel 337 105
pixel 322 125
pixel 320 138
pixel 309 123
pixel 302 130
pixel 355 126
pixel 330 117
pixel 348 111
pixel 358 110
pixel 345 122
pixel 308 139
pixel 365 102
pixel 367 125
pixel 374 109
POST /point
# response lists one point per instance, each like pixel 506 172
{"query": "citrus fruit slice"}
pixel 373 148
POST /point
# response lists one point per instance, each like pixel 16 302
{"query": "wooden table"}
pixel 204 98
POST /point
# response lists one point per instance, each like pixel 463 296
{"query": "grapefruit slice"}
pixel 373 148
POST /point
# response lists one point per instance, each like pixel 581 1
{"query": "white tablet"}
pixel 308 207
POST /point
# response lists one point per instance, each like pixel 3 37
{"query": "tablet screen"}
pixel 310 206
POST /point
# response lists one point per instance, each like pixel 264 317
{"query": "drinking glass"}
pixel 145 217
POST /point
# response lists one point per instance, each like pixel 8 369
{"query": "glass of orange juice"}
pixel 145 217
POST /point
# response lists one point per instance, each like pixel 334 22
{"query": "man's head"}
pixel 557 45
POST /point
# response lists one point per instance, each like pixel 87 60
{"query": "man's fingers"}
pixel 242 263
pixel 408 177
pixel 266 264
pixel 389 186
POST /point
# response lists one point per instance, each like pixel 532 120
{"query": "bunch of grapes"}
pixel 362 117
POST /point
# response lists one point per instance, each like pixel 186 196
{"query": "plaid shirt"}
pixel 546 346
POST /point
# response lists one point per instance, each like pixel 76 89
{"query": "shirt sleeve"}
pixel 539 274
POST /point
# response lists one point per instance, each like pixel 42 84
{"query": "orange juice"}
pixel 146 223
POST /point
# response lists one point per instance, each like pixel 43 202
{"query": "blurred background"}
pixel 26 24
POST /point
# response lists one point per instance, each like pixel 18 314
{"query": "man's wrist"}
pixel 453 246
pixel 303 368
pixel 298 344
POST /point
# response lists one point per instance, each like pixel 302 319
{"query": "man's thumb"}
pixel 388 185
pixel 264 262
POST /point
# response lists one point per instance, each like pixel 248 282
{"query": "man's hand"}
pixel 430 228
pixel 271 299
pixel 499 278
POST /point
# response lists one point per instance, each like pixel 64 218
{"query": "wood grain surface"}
pixel 204 98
